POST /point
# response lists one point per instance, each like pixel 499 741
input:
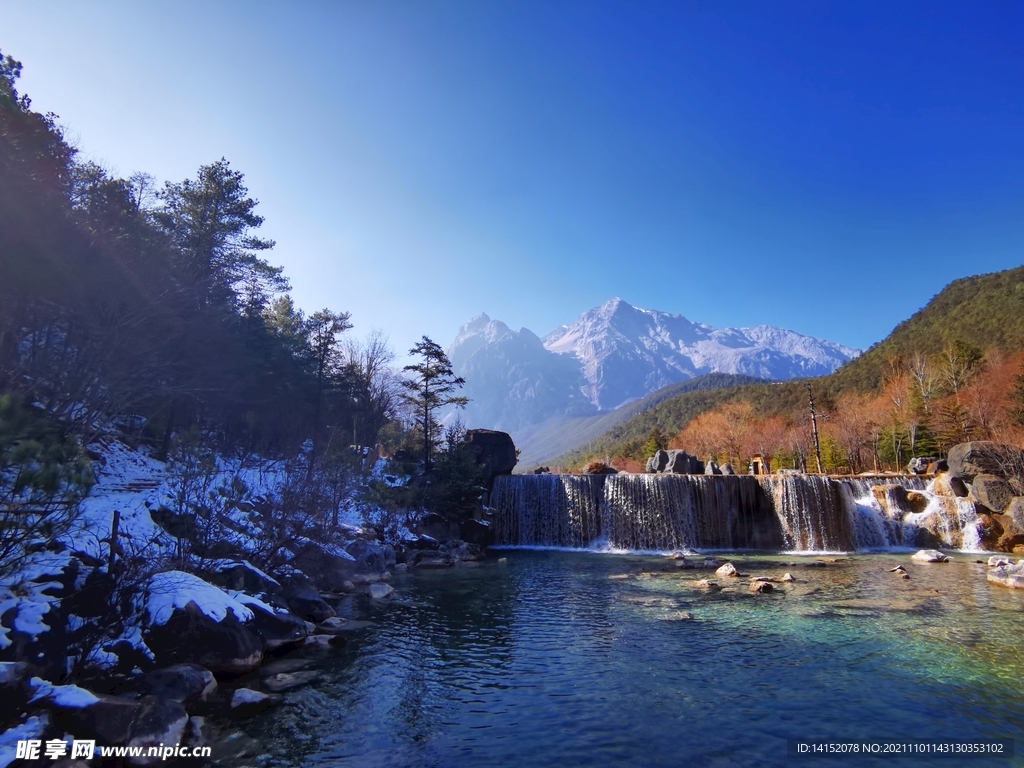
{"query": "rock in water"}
pixel 706 584
pixel 246 701
pixel 1011 576
pixel 761 586
pixel 929 556
pixel 788 577
pixel 727 570
pixel 378 591
pixel 286 681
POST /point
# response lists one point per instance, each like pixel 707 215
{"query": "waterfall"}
pixel 649 512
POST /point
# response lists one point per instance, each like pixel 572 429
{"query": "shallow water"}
pixel 549 660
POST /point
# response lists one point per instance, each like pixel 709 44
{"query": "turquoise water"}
pixel 556 658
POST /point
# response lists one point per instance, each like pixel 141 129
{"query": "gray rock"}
pixel 185 683
pixel 159 722
pixel 983 457
pixel 306 602
pixel 108 720
pixel 682 463
pixel 788 577
pixel 277 628
pixel 919 464
pixel 197 731
pixel 426 558
pixel 761 586
pixel 380 591
pixel 286 665
pixel 992 492
pixel 476 532
pixel 286 681
pixel 706 584
pixel 728 470
pixel 726 571
pixel 929 556
pixel 246 701
pixel 658 461
pixel 323 641
pixel 494 451
pixel 997 560
pixel 1011 576
pixel 712 468
pixel 190 636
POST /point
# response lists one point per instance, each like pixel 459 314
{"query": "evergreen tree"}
pixel 431 387
pixel 656 441
pixel 211 221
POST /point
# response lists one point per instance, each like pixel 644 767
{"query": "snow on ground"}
pixel 33 728
pixel 61 696
pixel 31 604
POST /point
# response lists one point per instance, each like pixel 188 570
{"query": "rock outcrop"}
pixel 675 462
pixel 494 451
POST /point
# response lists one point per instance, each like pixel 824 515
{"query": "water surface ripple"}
pixel 554 659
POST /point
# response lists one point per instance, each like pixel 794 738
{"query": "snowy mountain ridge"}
pixel 614 354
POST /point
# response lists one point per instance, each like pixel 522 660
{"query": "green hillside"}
pixel 985 311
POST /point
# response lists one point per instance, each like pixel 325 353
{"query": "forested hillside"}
pixel 949 373
pixel 124 298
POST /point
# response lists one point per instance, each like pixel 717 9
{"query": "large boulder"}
pixel 306 602
pixel 159 722
pixel 1011 576
pixel 1005 532
pixel 427 558
pixel 896 501
pixel 992 492
pixel 276 627
pixel 242 576
pixel 682 463
pixel 658 461
pixel 494 451
pixel 330 566
pixel 982 457
pixel 675 462
pixel 190 636
pixel 108 720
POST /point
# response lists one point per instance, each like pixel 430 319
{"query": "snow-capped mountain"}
pixel 611 355
pixel 626 352
pixel 511 380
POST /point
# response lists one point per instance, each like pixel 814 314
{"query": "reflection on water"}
pixel 546 660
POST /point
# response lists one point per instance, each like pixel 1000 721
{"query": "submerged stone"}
pixel 929 556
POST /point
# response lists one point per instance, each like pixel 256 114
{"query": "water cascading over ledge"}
pixel 666 512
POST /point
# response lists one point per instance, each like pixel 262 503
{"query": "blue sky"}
pixel 824 167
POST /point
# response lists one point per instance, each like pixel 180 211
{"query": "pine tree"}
pixel 430 388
